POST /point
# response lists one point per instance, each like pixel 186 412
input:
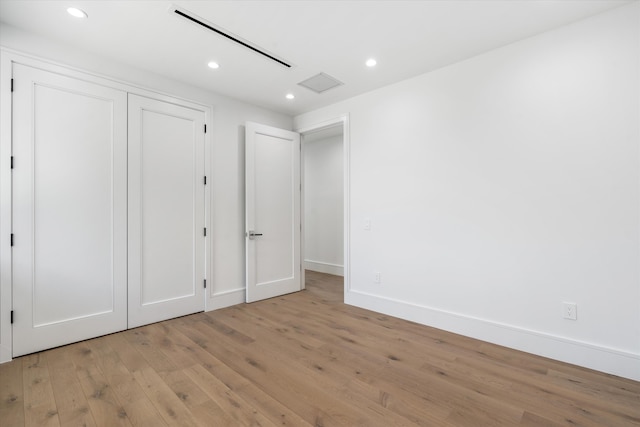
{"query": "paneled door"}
pixel 69 210
pixel 166 210
pixel 272 191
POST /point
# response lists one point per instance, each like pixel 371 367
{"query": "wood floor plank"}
pixel 275 323
pixel 12 393
pixel 530 391
pixel 624 392
pixel 171 345
pixel 138 409
pixel 233 405
pixel 367 364
pixel 185 388
pixel 305 359
pixel 211 415
pixel 40 406
pixel 106 408
pixel 128 355
pixel 244 388
pixel 73 408
pixel 142 406
pixel 168 404
pixel 340 378
pixel 141 339
pixel 120 379
pixel 142 413
pixel 530 419
pixel 309 408
pixel 206 411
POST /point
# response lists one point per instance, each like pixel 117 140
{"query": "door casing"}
pixel 342 120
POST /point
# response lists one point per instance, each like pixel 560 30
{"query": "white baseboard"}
pixel 612 361
pixel 324 267
pixel 226 299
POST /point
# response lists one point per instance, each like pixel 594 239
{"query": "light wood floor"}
pixel 304 359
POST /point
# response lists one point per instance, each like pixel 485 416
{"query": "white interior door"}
pixel 69 210
pixel 166 210
pixel 272 166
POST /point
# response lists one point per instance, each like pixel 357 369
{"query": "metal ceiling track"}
pixel 197 20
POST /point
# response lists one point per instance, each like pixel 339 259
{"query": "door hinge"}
pixel 11 239
pixel 205 283
pixel 205 180
pixel 12 317
pixel 11 162
pixel 11 85
pixel 205 231
pixel 205 128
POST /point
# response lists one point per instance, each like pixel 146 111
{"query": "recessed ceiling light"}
pixel 77 13
pixel 290 96
pixel 214 65
pixel 371 62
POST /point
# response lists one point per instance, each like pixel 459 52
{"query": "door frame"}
pixel 344 121
pixel 6 208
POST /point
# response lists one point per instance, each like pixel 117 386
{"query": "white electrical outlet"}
pixel 376 277
pixel 367 224
pixel 570 310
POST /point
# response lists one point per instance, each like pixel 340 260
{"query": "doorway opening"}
pixel 324 201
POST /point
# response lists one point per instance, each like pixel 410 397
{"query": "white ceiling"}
pixel 407 38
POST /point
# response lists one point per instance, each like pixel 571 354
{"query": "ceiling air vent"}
pixel 218 30
pixel 321 83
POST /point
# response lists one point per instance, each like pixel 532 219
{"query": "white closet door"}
pixel 166 211
pixel 69 210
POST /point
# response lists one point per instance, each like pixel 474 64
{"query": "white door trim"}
pixel 6 260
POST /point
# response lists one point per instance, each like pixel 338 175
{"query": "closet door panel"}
pixel 166 210
pixel 69 210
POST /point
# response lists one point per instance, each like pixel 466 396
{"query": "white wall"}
pixel 503 185
pixel 323 205
pixel 226 147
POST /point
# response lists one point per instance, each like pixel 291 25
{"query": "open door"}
pixel 272 191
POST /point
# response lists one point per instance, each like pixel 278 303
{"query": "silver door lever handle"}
pixel 253 234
